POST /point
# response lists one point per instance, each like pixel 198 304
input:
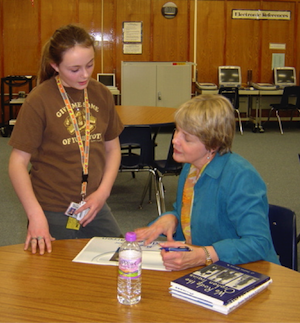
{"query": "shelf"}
pixel 12 82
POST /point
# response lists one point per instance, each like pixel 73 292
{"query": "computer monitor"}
pixel 284 76
pixel 107 79
pixel 230 76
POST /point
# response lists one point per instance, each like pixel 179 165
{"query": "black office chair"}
pixel 141 159
pixel 283 230
pixel 163 167
pixel 232 94
pixel 289 93
pixel 125 148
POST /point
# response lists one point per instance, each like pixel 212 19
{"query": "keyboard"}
pixel 206 86
pixel 264 86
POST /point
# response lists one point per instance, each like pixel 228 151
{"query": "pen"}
pixel 176 249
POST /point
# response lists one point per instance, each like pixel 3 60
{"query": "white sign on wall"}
pixel 261 14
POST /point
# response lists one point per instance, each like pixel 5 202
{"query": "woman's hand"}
pixel 165 224
pixel 179 260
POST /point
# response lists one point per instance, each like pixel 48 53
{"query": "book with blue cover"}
pixel 220 286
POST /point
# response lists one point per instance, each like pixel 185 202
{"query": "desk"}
pixel 51 288
pixel 139 115
pixel 264 93
pixel 115 92
pixel 257 95
pixel 144 115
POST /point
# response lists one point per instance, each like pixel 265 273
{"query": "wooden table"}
pixel 52 288
pixel 140 115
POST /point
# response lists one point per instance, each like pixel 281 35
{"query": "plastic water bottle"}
pixel 130 270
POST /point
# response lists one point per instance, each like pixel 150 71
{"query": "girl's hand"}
pixel 38 236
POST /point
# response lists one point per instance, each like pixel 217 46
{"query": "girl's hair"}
pixel 63 39
pixel 210 118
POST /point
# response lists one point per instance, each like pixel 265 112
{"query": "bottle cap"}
pixel 130 236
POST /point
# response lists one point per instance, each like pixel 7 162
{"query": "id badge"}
pixel 73 207
pixel 73 220
pixel 73 224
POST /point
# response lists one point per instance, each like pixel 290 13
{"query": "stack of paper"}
pixel 104 251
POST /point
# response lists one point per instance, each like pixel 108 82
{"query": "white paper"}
pixel 100 250
pixel 132 31
pixel 278 60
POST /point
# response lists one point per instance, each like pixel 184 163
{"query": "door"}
pixel 138 84
pixel 173 84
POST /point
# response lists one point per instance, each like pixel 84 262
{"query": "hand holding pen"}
pixel 178 249
pixel 178 256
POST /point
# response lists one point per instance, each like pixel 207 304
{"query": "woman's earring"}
pixel 210 154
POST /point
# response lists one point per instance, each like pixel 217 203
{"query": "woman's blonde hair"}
pixel 63 39
pixel 210 118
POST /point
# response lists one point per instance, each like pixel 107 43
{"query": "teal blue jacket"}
pixel 230 211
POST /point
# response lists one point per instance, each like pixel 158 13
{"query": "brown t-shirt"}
pixel 44 129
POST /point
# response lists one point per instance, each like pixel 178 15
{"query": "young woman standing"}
pixel 67 130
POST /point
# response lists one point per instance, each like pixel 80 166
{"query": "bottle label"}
pixel 130 268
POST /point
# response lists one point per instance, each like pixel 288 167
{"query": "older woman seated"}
pixel 221 210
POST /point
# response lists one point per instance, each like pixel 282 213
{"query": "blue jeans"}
pixel 104 225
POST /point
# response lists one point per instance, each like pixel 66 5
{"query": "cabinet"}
pixel 8 83
pixel 165 84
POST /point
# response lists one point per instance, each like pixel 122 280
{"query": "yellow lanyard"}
pixel 84 150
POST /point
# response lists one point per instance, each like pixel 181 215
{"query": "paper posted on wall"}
pixel 104 251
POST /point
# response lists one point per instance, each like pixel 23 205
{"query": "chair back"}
pixel 283 230
pixel 232 94
pixel 171 164
pixel 139 136
pixel 288 93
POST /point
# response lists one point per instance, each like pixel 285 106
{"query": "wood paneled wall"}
pixel 220 40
